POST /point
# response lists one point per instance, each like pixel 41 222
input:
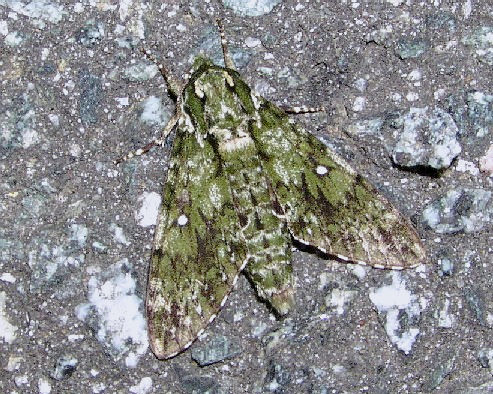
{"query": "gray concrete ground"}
pixel 407 87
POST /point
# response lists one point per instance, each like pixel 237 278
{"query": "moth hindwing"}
pixel 243 183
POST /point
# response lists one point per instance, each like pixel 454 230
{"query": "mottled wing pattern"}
pixel 243 179
pixel 266 237
pixel 327 204
pixel 197 255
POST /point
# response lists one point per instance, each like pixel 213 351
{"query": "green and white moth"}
pixel 243 183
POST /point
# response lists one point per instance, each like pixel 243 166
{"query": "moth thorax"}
pixel 231 140
pixel 219 100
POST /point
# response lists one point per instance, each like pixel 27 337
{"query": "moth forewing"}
pixel 244 182
pixel 194 263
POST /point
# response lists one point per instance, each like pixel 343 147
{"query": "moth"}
pixel 244 183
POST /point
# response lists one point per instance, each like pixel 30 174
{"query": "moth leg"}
pixel 175 89
pixel 157 142
pixel 228 60
pixel 174 85
pixel 302 109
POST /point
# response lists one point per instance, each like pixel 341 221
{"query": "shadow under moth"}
pixel 244 182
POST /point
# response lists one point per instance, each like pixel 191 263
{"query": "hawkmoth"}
pixel 244 183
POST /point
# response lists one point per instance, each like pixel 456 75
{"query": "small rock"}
pixel 64 367
pixel 8 330
pixel 54 267
pixel 292 78
pixel 446 266
pixel 153 112
pixel 467 166
pixel 216 350
pixel 441 21
pixel 21 380
pixel 14 363
pixel 91 34
pixel 91 91
pixel 140 72
pixel 149 210
pixel 476 304
pixel 14 39
pixel 401 311
pixel 99 247
pixel 277 378
pixel 426 139
pixel 18 122
pixel 445 318
pixel 485 358
pixel 277 338
pixel 461 209
pixel 338 298
pixel 251 8
pixel 486 162
pixel 114 312
pixel 441 371
pixel 143 387
pixel 128 42
pixel 193 384
pixel 480 40
pixel 78 235
pixel 411 48
pixel 484 388
pixel 480 112
pixel 472 112
pixel 44 386
pixel 379 36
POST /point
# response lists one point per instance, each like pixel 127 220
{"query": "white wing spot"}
pixel 182 220
pixel 321 170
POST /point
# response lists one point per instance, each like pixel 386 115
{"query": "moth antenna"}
pixel 174 85
pixel 157 142
pixel 228 60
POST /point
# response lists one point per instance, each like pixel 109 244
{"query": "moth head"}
pixel 211 98
pixel 201 62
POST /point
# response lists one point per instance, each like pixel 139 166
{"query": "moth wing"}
pixel 326 203
pixel 197 256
